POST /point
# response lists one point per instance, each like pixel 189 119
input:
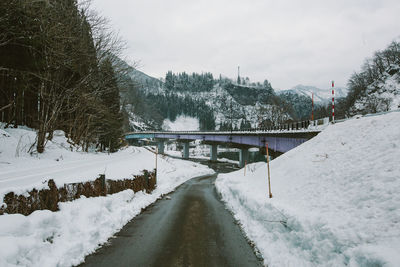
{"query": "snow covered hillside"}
pixel 181 123
pixel 335 202
pixel 63 238
pixel 376 87
pixel 225 107
pixel 322 96
pixel 382 95
pixel 224 100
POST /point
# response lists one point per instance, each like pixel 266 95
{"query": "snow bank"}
pixel 63 238
pixel 335 198
pixel 21 171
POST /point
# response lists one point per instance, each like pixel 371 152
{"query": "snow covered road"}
pixel 189 227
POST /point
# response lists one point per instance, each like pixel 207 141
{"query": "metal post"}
pixel 243 157
pixel 186 150
pixel 160 146
pixel 213 152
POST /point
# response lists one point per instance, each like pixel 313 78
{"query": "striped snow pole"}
pixel 312 107
pixel 333 102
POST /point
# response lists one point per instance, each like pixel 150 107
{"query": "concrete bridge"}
pixel 279 141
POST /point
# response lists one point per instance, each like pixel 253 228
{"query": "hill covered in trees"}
pixel 376 87
pixel 217 103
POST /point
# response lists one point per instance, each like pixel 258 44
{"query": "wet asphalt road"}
pixel 192 228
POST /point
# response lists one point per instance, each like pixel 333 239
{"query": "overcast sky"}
pixel 309 42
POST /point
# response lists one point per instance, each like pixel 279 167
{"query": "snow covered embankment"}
pixel 338 194
pixel 63 238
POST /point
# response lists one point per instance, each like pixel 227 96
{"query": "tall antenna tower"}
pixel 238 78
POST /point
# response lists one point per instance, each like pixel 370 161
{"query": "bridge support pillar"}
pixel 160 145
pixel 186 150
pixel 213 152
pixel 243 156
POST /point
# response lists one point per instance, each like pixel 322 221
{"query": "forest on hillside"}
pixel 189 94
pixel 184 82
pixel 368 86
pixel 57 71
pixel 375 88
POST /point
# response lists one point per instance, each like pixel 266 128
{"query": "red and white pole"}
pixel 312 108
pixel 333 102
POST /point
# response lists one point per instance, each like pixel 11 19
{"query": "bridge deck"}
pixel 281 141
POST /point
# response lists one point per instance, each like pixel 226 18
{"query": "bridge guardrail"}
pixel 294 126
pixel 307 125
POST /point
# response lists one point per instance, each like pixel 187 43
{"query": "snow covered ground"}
pixel 63 238
pixel 336 198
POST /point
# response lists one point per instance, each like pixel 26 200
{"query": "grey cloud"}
pixel 287 42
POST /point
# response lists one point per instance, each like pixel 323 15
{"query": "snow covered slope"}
pixel 382 95
pixel 335 202
pixel 322 96
pixel 181 123
pixel 63 238
pixel 242 103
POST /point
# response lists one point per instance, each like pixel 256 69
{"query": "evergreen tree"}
pixel 169 81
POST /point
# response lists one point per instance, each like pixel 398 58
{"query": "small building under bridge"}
pixel 278 142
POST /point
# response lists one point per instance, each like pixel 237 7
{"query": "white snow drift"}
pixel 336 198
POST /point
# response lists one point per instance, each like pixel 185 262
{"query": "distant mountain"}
pixel 322 96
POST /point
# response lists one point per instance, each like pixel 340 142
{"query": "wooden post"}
pixel 269 178
pixel 245 166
